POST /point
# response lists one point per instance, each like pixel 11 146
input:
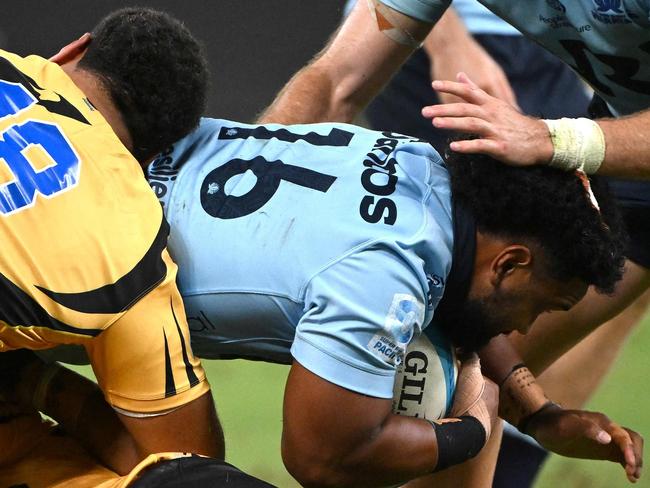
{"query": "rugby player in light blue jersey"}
pixel 332 247
pixel 607 42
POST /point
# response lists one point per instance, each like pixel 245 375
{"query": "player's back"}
pixel 82 236
pixel 259 214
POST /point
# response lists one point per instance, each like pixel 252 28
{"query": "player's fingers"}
pixel 466 92
pixel 634 454
pixel 459 109
pixel 71 50
pixel 478 146
pixel 447 99
pixel 628 454
pixel 506 93
pixel 623 440
pixel 462 77
pixel 470 360
pixel 473 125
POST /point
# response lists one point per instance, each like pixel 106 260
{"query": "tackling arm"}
pixel 120 442
pixel 335 437
pixel 358 60
pixel 573 433
pixel 509 136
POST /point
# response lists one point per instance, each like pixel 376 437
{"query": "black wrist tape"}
pixel 458 441
pixel 514 368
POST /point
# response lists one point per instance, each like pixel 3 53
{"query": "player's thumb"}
pixel 598 434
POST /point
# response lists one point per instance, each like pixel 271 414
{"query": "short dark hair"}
pixel 155 72
pixel 549 206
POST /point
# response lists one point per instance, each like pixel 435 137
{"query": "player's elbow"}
pixel 314 469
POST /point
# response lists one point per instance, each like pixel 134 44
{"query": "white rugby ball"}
pixel 426 378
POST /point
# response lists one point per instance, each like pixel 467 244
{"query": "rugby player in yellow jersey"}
pixel 83 258
pixel 36 453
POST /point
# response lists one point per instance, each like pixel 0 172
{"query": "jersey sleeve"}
pixel 144 362
pixel 360 315
pixel 425 10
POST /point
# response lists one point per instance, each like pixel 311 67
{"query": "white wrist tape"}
pixel 577 144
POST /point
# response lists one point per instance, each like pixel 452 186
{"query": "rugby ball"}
pixel 425 380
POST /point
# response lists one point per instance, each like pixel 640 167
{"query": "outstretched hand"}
pixel 588 435
pixel 502 131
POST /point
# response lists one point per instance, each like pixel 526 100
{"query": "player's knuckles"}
pixel 499 147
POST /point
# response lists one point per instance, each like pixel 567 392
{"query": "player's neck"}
pixel 92 86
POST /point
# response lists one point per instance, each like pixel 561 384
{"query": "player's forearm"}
pixel 310 96
pixel 627 146
pixel 520 396
pixel 448 33
pixel 401 449
pixel 498 358
pixel 624 154
pixel 335 437
pixel 350 71
pixel 78 405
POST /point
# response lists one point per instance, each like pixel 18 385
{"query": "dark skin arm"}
pixel 78 405
pixel 573 433
pixel 335 437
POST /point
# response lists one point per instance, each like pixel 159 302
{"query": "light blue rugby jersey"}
pixel 328 242
pixel 477 19
pixel 607 42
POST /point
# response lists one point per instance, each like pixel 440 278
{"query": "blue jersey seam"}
pixel 297 301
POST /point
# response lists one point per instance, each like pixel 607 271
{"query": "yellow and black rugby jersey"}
pixel 34 453
pixel 83 254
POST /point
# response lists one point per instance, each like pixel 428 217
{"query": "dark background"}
pixel 253 46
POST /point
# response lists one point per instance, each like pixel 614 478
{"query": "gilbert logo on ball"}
pixel 426 379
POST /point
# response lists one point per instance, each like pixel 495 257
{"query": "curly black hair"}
pixel 549 206
pixel 155 72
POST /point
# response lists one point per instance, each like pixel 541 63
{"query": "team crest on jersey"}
pixel 406 314
pixel 609 12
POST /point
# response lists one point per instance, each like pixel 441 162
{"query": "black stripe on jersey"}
pixel 170 387
pixel 9 72
pixel 18 308
pixel 119 296
pixel 188 366
pixel 336 137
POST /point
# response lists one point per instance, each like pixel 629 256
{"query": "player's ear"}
pixel 73 50
pixel 510 261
